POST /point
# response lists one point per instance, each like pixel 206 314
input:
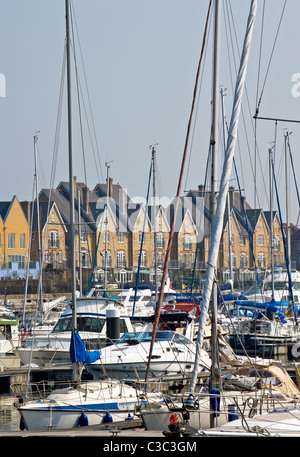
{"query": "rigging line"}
pixel 55 149
pixel 269 63
pixel 170 241
pixel 141 247
pixel 291 297
pixel 260 50
pixel 256 193
pixel 295 180
pixel 78 99
pixel 196 115
pixel 88 96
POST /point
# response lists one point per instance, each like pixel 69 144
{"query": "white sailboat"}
pixel 80 404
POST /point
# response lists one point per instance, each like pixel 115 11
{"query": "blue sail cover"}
pixel 78 353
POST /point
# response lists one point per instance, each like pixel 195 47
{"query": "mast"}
pixel 287 183
pixel 79 243
pixel 227 167
pixel 215 372
pixel 271 220
pixel 40 287
pixel 106 223
pixel 228 199
pixel 71 178
pixel 154 206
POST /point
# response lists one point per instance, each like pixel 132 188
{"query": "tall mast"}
pixel 154 206
pixel 215 373
pixel 228 198
pixel 71 178
pixel 40 286
pixel 271 220
pixel 222 198
pixel 287 181
pixel 106 223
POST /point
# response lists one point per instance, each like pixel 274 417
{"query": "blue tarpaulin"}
pixel 78 353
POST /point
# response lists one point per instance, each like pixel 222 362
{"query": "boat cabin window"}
pixel 84 323
pixel 144 337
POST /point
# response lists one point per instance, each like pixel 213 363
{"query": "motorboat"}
pixel 173 352
pixel 9 339
pixel 91 324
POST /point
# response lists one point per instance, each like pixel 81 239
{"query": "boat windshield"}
pixel 143 337
pixel 84 324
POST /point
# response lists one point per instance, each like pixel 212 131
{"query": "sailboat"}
pixel 89 403
pixel 80 404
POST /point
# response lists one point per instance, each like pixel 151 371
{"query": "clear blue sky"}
pixel 140 59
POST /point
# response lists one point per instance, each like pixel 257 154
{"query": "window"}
pixel 121 259
pixel 187 242
pixel 120 237
pixel 20 259
pixel 60 257
pixel 11 241
pixel 276 243
pixel 53 239
pixel 84 259
pixel 83 237
pixel 22 240
pixel 53 258
pixel 46 257
pixel 243 240
pixel 260 240
pixel 160 260
pixel 106 258
pixel 160 241
pixel 144 259
pixel 261 260
pixel 243 260
pixel 106 237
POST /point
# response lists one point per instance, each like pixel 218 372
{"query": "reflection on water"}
pixel 9 415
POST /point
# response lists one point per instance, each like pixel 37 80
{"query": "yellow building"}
pixel 14 233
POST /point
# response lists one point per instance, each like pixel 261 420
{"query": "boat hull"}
pixel 59 418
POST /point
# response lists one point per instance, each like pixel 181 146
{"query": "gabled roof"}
pixel 268 217
pixel 61 197
pixel 44 209
pixel 4 209
pixel 153 213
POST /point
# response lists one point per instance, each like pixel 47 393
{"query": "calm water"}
pixel 9 416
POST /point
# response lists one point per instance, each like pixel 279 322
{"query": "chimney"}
pixel 201 190
pixel 122 200
pixel 110 188
pixel 243 208
pixel 26 206
pixel 85 198
pixel 231 197
pixel 75 186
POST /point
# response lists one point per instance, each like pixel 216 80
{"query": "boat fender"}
pixel 107 418
pixel 232 413
pixel 215 402
pixel 83 420
pixel 22 424
pixel 129 417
